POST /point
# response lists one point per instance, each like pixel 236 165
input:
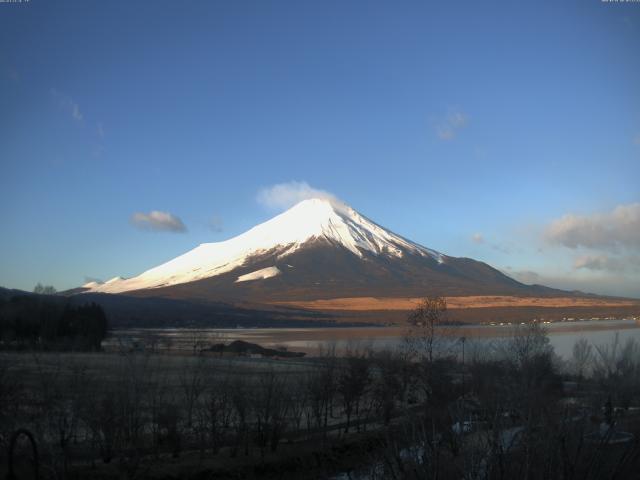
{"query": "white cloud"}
pixel 285 195
pixel 608 263
pixel 158 222
pixel 597 252
pixel 499 246
pixel 66 103
pixel 448 127
pixel 610 230
pixel 477 238
pixel 528 277
pixel 597 262
pixel 601 282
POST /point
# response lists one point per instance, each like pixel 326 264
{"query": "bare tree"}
pixel 526 342
pixel 192 384
pixel 219 410
pixel 299 387
pixel 271 405
pixel 429 314
pixel 389 387
pixel 241 412
pixel 617 368
pixel 581 357
pixel 56 407
pixel 44 289
pixel 353 381
pixel 322 388
pixel 156 399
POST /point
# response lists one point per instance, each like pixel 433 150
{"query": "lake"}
pixel 562 336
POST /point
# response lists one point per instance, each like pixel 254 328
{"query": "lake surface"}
pixel 562 336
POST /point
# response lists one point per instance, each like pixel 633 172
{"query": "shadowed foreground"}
pixel 511 409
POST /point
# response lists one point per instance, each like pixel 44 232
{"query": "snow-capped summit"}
pixel 311 220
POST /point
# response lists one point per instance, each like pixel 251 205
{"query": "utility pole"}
pixel 462 340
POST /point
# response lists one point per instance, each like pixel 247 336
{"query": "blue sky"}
pixel 504 131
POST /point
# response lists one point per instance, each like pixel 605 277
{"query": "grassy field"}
pixel 387 303
pixel 471 309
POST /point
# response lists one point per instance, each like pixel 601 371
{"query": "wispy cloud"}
pixel 100 130
pixel 157 221
pixel 448 127
pixel 216 224
pixel 285 195
pixel 88 279
pixel 66 103
pixel 499 246
pixel 604 282
pixel 524 276
pixel 609 230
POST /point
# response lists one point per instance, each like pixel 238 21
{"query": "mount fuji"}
pixel 318 249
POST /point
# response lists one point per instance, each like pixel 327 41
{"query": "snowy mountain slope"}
pixel 321 269
pixel 307 222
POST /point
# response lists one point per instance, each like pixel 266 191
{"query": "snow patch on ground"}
pixel 261 274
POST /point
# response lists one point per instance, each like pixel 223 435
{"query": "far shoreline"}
pixel 359 334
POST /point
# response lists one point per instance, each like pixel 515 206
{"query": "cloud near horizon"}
pixel 157 221
pixel 607 263
pixel 528 277
pixel 604 283
pixel 285 195
pixel 613 230
pixel 608 242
